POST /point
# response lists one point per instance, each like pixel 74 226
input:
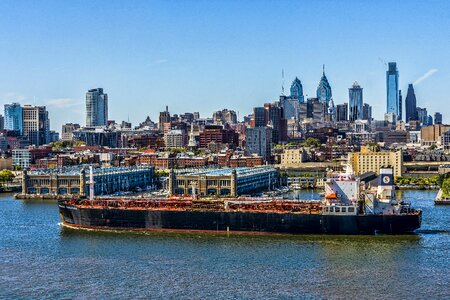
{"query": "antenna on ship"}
pixel 91 183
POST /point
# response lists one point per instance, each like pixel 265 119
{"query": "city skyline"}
pixel 151 62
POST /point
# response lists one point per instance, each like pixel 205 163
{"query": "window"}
pixel 337 209
pixel 351 209
pixel 344 209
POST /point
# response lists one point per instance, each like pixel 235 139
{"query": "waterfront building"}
pixel 411 105
pixel 223 182
pixel 13 117
pixel 67 131
pixel 342 112
pixel 437 118
pixel 292 157
pixel 323 91
pixel 36 125
pixel 355 95
pixel 74 181
pixel 297 90
pixel 258 141
pixel 392 89
pixel 21 158
pixel 96 108
pixel 370 160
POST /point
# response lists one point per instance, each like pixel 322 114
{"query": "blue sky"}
pixel 208 55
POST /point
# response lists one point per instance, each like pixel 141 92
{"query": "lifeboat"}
pixel 330 196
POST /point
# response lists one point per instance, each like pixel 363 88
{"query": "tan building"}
pixel 292 157
pixel 369 160
pixel 431 135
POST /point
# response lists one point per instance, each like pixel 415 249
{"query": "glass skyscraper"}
pixel 297 90
pixel 411 104
pixel 96 108
pixel 355 96
pixel 14 117
pixel 324 90
pixel 392 89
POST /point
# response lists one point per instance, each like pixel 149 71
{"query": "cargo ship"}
pixel 349 207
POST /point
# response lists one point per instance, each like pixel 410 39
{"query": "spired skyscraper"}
pixel 297 90
pixel 324 90
pixel 411 105
pixel 392 89
pixel 96 108
pixel 355 96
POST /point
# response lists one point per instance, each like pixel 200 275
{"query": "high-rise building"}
pixel 324 90
pixel 367 112
pixel 67 131
pixel 411 105
pixel 342 112
pixel 400 106
pixel 96 108
pixel 14 117
pixel 422 115
pixel 258 141
pixel 297 90
pixel 164 117
pixel 355 95
pixel 259 117
pixel 275 119
pixel 36 125
pixel 392 89
pixel 225 116
pixel 2 122
pixel 312 109
pixel 430 120
pixel 290 107
pixel 437 118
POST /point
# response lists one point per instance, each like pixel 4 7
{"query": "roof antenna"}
pixel 323 69
pixel 282 84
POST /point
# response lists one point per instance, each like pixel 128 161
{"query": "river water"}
pixel 40 259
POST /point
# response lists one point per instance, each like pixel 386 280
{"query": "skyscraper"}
pixel 36 125
pixel 14 117
pixel 259 117
pixel 400 106
pixel 342 112
pixel 324 90
pixel 411 105
pixel 437 118
pixel 164 117
pixel 355 95
pixel 392 89
pixel 422 115
pixel 367 112
pixel 96 108
pixel 297 90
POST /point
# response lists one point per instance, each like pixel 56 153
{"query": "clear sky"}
pixel 208 55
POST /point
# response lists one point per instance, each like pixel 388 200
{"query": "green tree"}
pixel 446 187
pixel 6 176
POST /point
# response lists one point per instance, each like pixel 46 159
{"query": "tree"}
pixel 446 187
pixel 6 176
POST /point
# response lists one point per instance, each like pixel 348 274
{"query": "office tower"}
pixel 312 109
pixel 2 122
pixel 324 90
pixel 225 116
pixel 96 108
pixel 258 141
pixel 164 117
pixel 14 117
pixel 259 117
pixel 290 107
pixel 400 106
pixel 367 112
pixel 355 95
pixel 342 112
pixel 392 89
pixel 429 120
pixel 67 131
pixel 275 119
pixel 422 115
pixel 410 104
pixel 36 125
pixel 297 90
pixel 437 118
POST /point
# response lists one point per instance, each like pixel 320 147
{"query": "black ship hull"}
pixel 167 220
